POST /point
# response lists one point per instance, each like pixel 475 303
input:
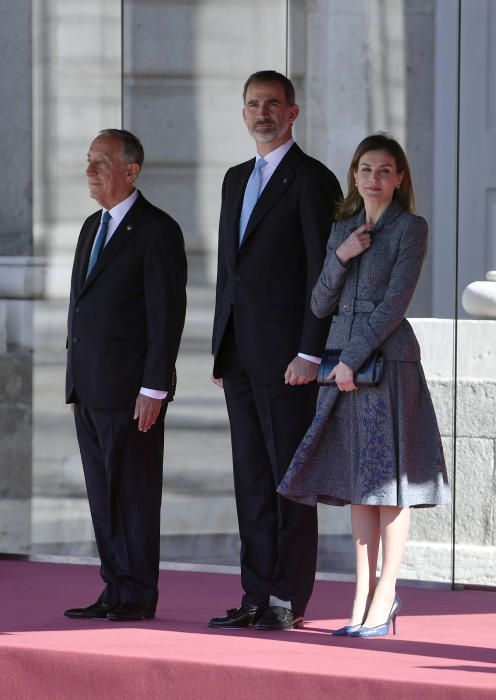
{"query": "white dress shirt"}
pixel 118 213
pixel 273 159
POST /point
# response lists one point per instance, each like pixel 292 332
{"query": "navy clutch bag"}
pixel 369 374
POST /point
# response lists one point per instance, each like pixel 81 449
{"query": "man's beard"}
pixel 266 136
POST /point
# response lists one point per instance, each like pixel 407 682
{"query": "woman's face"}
pixel 376 177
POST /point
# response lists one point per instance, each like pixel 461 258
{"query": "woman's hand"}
pixel 343 376
pixel 355 244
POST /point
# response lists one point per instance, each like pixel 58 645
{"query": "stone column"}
pixel 15 275
pixel 361 67
pixel 185 103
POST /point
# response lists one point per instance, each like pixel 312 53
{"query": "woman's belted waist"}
pixel 356 306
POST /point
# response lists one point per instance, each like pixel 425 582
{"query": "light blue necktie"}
pixel 100 242
pixel 252 193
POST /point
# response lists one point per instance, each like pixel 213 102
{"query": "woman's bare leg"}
pixel 365 526
pixel 394 526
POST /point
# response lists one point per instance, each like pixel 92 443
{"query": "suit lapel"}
pixel 122 234
pixel 234 211
pixel 86 247
pixel 357 220
pixel 275 188
pixel 389 215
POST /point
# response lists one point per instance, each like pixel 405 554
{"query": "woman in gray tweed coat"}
pixel 377 448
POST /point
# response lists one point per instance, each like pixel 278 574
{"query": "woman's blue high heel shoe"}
pixel 345 631
pixel 381 630
pixel 348 630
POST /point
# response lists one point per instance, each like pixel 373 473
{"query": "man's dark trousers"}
pixel 268 421
pixel 123 470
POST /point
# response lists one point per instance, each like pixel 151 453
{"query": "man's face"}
pixel 267 114
pixel 110 178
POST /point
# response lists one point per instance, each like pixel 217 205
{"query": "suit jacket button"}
pixel 237 278
pixel 75 339
pixel 77 309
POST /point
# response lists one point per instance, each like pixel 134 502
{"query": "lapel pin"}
pixel 285 180
pixel 129 227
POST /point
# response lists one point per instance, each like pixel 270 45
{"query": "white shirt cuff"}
pixel 311 358
pixel 153 393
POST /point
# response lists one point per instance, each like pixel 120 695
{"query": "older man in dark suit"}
pixel 275 220
pixel 126 316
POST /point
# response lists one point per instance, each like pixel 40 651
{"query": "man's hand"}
pixel 146 412
pixel 300 371
pixel 343 376
pixel 218 382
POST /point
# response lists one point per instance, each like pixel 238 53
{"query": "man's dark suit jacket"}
pixel 266 283
pixel 125 321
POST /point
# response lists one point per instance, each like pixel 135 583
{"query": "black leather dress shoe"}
pixel 237 618
pixel 128 611
pixel 97 611
pixel 278 618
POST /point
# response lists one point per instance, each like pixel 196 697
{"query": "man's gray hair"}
pixel 131 145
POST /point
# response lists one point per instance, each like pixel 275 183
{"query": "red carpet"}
pixel 445 647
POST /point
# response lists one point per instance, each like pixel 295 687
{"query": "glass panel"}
pixel 77 92
pixel 475 531
pixel 185 64
pixel 17 277
pixel 361 67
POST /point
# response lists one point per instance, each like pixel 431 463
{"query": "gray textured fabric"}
pixel 378 445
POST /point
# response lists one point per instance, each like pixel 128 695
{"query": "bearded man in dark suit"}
pixel 275 221
pixel 126 316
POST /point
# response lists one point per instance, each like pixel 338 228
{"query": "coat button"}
pixel 77 309
pixel 237 278
pixel 75 339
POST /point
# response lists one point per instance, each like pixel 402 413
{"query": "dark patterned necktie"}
pixel 100 242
